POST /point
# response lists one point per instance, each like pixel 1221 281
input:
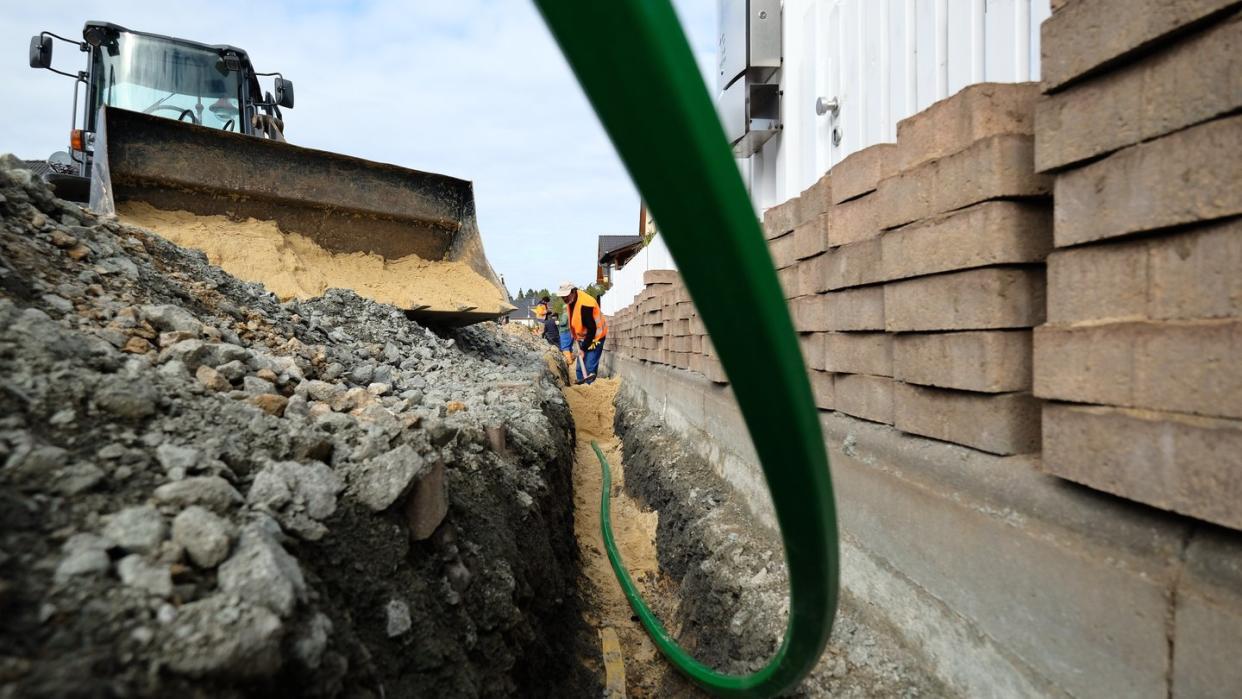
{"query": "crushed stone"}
pixel 181 454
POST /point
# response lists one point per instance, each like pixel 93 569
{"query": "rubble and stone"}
pixel 204 491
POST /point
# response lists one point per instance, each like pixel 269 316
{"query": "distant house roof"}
pixel 525 309
pixel 618 249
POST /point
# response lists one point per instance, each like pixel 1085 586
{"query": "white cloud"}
pixel 475 89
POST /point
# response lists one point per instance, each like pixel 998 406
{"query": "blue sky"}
pixel 475 89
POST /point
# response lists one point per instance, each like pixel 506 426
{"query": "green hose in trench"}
pixel 637 70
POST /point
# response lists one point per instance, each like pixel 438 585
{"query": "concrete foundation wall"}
pixel 1008 581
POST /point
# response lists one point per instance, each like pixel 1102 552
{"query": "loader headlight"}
pixel 94 36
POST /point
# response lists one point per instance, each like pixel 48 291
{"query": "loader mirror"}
pixel 40 51
pixel 284 93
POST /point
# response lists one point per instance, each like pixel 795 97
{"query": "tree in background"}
pixel 598 289
pixel 558 306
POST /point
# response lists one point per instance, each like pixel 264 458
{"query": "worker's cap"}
pixel 541 311
pixel 566 289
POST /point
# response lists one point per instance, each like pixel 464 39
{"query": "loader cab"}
pixel 174 79
pixel 213 86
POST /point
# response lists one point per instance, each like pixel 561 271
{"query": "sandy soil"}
pixel 633 528
pixel 294 266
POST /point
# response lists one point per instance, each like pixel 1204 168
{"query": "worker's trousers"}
pixel 591 359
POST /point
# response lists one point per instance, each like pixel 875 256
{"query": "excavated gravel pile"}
pixel 205 491
pixel 732 576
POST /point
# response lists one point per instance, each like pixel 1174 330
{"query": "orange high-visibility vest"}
pixel 575 317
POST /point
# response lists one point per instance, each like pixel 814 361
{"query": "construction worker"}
pixel 550 332
pixel 588 327
pixel 567 338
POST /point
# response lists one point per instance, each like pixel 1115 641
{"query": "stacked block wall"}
pixel 1140 360
pixel 916 271
pixel 1051 276
pixel 965 230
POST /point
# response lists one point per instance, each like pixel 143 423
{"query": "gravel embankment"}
pixel 206 491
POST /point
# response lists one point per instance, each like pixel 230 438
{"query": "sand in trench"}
pixel 291 265
pixel 633 528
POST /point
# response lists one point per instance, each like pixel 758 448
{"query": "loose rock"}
pixel 136 529
pixel 210 378
pixel 387 478
pixel 85 554
pixel 222 636
pixel 270 403
pixel 205 536
pixel 136 571
pixel 398 615
pixel 172 457
pixel 297 495
pixel 211 492
pixel 233 370
pixel 79 478
pixel 257 386
pixel 136 345
pixel 126 399
pixel 261 572
pixel 169 317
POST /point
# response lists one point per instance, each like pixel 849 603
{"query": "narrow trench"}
pixel 647 674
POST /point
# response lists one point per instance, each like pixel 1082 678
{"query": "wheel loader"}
pixel 171 125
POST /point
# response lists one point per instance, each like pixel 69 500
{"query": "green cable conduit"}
pixel 637 70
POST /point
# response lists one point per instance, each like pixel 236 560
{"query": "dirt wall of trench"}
pixel 731 577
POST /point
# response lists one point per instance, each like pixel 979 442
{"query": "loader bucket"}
pixel 343 204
